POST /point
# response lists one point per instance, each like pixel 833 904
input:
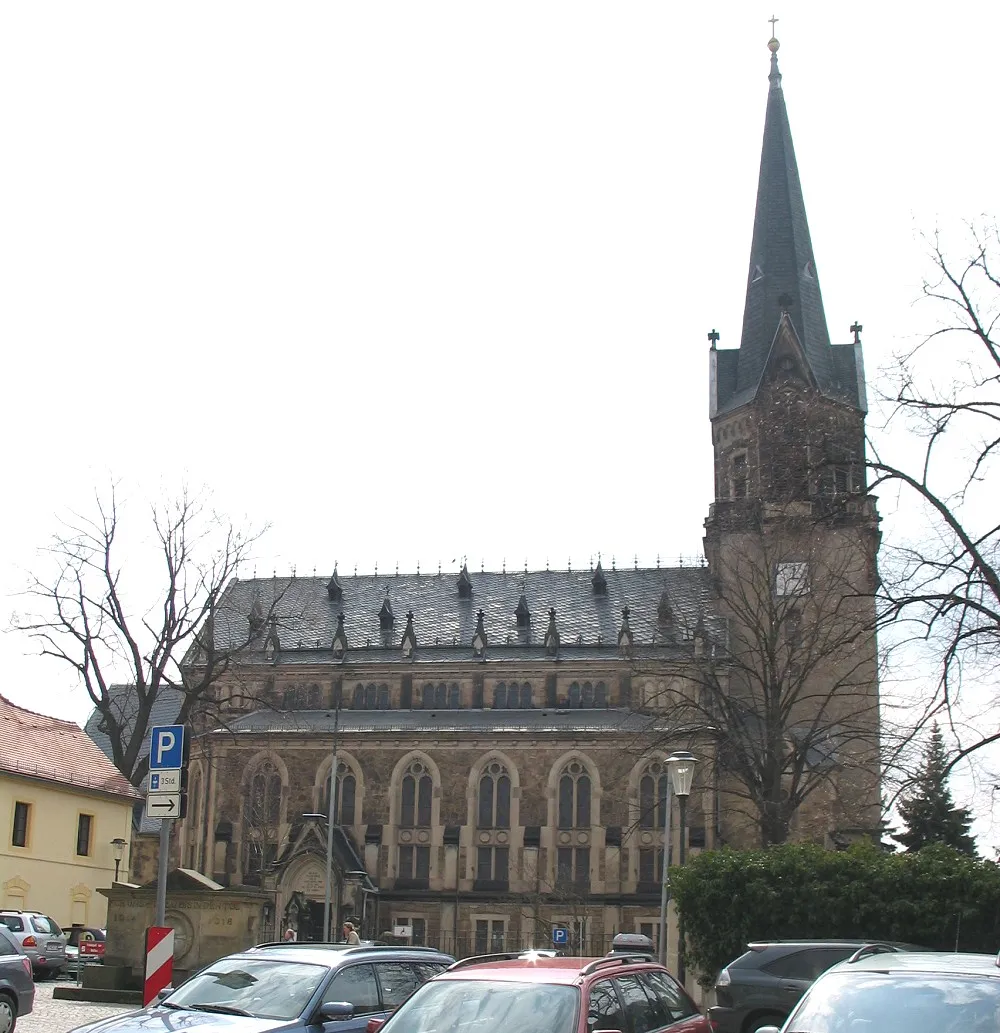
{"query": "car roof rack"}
pixel 614 959
pixel 485 959
pixel 346 947
pixel 872 948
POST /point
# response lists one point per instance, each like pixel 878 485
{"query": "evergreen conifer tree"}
pixel 929 811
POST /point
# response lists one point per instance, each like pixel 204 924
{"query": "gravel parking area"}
pixel 50 1016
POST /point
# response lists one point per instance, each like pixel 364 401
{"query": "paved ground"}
pixel 49 1016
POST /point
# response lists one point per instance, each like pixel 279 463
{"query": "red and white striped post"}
pixel 159 961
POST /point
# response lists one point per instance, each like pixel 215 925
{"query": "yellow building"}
pixel 62 804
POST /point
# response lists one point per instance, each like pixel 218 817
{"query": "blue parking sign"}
pixel 166 747
pixel 560 935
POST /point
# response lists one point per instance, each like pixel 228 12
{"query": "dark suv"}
pixel 762 986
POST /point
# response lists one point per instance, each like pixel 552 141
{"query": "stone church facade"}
pixel 500 737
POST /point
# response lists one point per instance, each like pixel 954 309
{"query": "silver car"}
pixel 17 988
pixel 40 938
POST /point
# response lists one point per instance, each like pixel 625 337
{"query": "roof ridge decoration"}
pixel 522 613
pixel 599 581
pixel 386 618
pixel 464 583
pixel 334 589
pixel 340 639
pixel 480 640
pixel 552 633
pixel 409 641
pixel 625 639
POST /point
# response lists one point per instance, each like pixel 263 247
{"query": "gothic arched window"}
pixel 371 697
pixel 383 697
pixel 601 695
pixel 358 703
pixel 653 791
pixel 499 696
pixel 261 820
pixel 574 695
pixel 345 812
pixel 494 797
pixel 574 797
pixel 427 698
pixel 587 701
pixel 453 696
pixel 526 702
pixel 416 797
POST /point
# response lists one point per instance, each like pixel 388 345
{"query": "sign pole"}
pixel 163 865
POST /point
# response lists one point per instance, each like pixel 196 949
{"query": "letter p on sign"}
pixel 166 747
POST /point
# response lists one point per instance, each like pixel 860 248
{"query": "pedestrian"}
pixel 290 934
pixel 350 936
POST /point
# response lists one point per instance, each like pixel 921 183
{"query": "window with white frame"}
pixel 494 797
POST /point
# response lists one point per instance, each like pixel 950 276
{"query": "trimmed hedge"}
pixel 934 898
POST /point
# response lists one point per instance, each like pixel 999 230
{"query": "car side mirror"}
pixel 163 994
pixel 330 1011
pixel 374 1025
pixel 769 1029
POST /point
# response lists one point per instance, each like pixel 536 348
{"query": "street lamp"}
pixel 361 877
pixel 680 772
pixel 328 894
pixel 117 852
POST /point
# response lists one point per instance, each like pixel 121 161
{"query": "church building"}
pixel 498 739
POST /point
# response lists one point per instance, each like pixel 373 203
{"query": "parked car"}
pixel 74 937
pixel 903 993
pixel 292 987
pixel 533 993
pixel 762 986
pixel 17 988
pixel 41 939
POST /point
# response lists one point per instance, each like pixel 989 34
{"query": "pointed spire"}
pixel 272 644
pixel 256 618
pixel 625 635
pixel 464 583
pixel 599 581
pixel 552 635
pixel 334 589
pixel 385 615
pixel 522 613
pixel 340 639
pixel 479 639
pixel 782 275
pixel 409 641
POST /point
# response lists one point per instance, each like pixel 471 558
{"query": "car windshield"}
pixel 41 924
pixel 485 1006
pixel 916 1002
pixel 262 987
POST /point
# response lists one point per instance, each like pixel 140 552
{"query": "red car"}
pixel 533 993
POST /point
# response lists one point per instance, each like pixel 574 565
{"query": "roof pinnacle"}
pixel 772 45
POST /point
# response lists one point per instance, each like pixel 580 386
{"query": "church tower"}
pixel 792 535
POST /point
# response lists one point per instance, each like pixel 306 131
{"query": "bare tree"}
pixel 788 706
pixel 946 393
pixel 99 616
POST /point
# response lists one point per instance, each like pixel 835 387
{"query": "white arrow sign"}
pixel 163 805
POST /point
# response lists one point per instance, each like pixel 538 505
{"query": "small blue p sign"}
pixel 560 935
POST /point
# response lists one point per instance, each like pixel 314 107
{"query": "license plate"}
pixel 52 947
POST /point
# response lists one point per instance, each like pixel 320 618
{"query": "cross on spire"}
pixel 856 329
pixel 773 21
pixel 714 337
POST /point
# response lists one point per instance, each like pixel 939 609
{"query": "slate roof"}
pixel 443 722
pixel 782 277
pixel 35 746
pixel 166 707
pixel 443 621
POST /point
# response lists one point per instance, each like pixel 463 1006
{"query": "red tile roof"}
pixel 35 746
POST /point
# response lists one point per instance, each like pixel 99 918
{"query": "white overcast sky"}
pixel 412 281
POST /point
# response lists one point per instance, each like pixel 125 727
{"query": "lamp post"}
pixel 360 877
pixel 117 852
pixel 680 772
